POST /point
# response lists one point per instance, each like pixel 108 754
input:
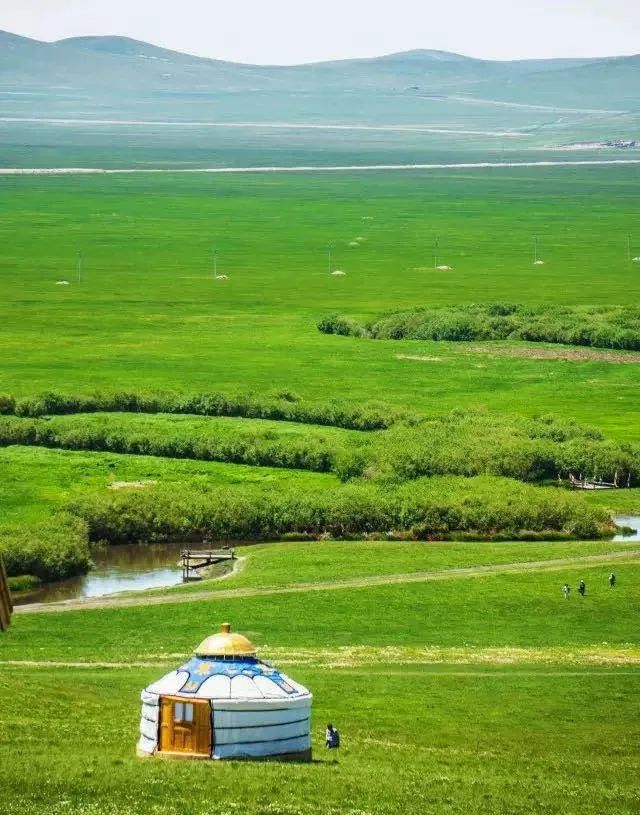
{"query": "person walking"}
pixel 332 737
pixel 565 590
pixel 612 580
pixel 582 588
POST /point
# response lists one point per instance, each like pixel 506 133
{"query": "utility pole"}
pixel 329 248
pixel 535 250
pixel 436 246
pixel 215 263
pixel 79 266
pixel 628 247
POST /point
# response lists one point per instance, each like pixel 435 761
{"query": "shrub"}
pixel 483 507
pixel 7 404
pixel 50 550
pixel 285 406
pixel 604 327
pixel 461 442
pixel 136 436
pixel 23 582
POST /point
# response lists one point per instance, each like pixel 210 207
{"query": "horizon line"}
pixel 416 50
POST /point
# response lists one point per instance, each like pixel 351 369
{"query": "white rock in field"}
pixel 538 262
pixel 444 268
pixel 221 277
pixel 62 282
pixel 338 273
pixel 636 260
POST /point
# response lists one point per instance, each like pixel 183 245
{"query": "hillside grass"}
pixel 541 688
pixel 454 748
pixel 523 609
pixel 446 693
pixel 284 564
pixel 301 564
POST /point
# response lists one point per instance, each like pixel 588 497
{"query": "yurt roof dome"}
pixel 226 644
pixel 209 677
pixel 225 668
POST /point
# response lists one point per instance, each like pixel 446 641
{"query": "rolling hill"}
pixel 92 74
pixel 116 101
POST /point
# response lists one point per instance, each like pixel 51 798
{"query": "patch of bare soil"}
pixel 569 354
pixel 131 485
pixel 416 358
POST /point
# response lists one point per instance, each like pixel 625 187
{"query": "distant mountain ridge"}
pixel 128 46
pixel 98 75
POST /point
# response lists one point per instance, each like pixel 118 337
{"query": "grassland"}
pixel 487 692
pixel 460 678
pixel 148 316
pixel 38 482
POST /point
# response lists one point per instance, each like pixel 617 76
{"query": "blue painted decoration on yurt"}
pixel 226 703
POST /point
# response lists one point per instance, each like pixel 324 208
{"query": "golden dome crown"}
pixel 226 644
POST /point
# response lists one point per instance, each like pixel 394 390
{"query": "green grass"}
pixel 283 564
pixel 37 481
pixel 524 609
pixel 421 741
pixel 621 502
pixel 148 315
pixel 417 734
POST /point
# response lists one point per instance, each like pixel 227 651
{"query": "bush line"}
pixel 485 508
pixel 596 326
pixel 426 508
pixel 239 447
pixel 49 550
pixel 461 442
pixel 284 406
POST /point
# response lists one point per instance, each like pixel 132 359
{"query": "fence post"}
pixel 6 606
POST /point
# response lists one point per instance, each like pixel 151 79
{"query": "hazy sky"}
pixel 291 31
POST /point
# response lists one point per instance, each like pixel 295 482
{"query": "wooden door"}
pixel 185 726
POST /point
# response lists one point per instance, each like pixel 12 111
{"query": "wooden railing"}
pixel 195 559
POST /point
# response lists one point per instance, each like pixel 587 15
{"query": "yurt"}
pixel 226 703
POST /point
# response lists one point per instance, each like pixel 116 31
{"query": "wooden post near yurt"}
pixel 6 606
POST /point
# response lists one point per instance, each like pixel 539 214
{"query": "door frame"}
pixel 201 727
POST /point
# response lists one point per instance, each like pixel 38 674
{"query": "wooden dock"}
pixel 596 483
pixel 6 606
pixel 195 559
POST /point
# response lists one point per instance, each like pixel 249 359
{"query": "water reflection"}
pixel 129 567
pixel 632 521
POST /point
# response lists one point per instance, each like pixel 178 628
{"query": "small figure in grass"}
pixel 612 580
pixel 565 591
pixel 582 588
pixel 332 737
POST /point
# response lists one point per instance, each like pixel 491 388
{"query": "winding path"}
pixel 553 564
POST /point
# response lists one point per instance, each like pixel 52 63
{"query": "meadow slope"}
pixel 485 688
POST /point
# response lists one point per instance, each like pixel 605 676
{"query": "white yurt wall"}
pixel 253 710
